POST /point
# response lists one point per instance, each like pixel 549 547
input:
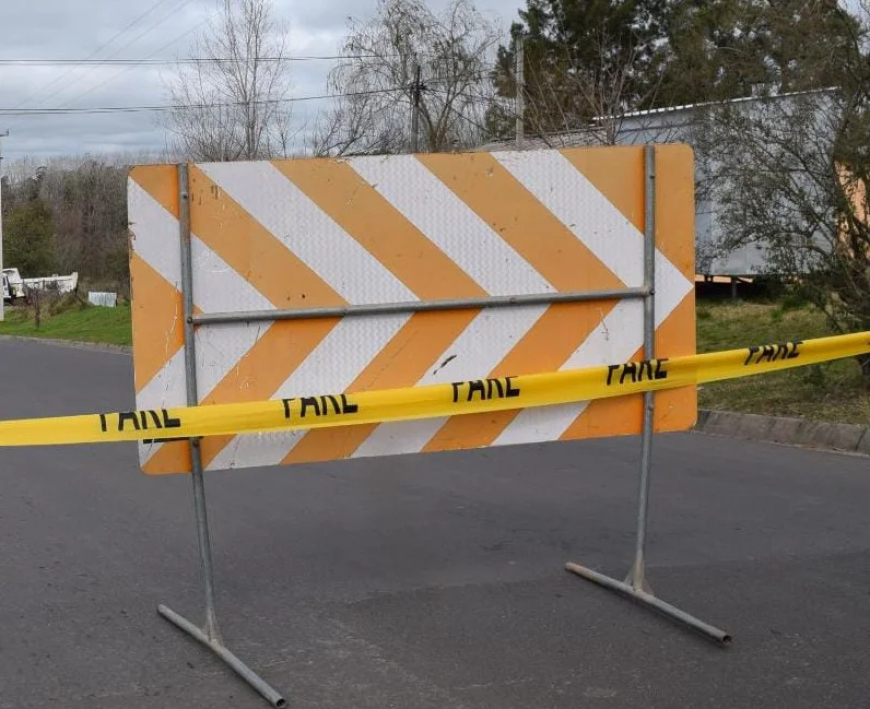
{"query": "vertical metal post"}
pixel 519 51
pixel 635 585
pixel 637 575
pixel 2 302
pixel 210 634
pixel 211 625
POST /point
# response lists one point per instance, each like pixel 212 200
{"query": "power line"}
pixel 460 114
pixel 95 52
pixel 150 29
pixel 162 62
pixel 66 111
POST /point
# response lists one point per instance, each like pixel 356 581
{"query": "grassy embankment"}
pixel 81 324
pixel 834 391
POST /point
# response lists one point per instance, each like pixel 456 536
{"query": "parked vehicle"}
pixel 15 287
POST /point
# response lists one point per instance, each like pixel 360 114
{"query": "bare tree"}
pixel 230 102
pixel 791 173
pixel 377 80
pixel 594 99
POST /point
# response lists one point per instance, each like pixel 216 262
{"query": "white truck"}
pixel 15 287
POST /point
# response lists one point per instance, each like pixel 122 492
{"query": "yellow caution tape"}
pixel 467 397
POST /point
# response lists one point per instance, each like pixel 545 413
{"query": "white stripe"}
pixel 306 230
pixel 616 339
pixel 154 238
pixel 537 425
pixel 671 287
pixel 475 353
pixel 166 389
pixel 217 287
pixel 399 437
pixel 219 350
pixel 587 213
pixel 155 235
pixel 331 367
pixel 451 224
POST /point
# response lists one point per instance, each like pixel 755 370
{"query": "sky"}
pixel 76 29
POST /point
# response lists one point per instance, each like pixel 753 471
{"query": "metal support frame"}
pixel 635 585
pixel 416 306
pixel 209 635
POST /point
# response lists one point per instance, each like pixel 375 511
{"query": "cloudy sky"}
pixel 76 29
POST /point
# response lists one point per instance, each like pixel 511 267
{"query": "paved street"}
pixel 431 582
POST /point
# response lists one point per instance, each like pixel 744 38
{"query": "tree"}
pixel 29 239
pixel 718 50
pixel 377 80
pixel 791 170
pixel 587 62
pixel 230 97
pixel 87 201
pixel 584 59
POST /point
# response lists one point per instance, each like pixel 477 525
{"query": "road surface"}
pixel 426 582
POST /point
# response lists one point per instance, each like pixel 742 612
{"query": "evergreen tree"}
pixel 29 239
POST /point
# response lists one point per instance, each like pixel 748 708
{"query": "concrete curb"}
pixel 843 437
pixel 95 346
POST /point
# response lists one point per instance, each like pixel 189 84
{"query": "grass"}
pixel 81 324
pixel 833 391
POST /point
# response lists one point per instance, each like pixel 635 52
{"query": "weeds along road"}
pixel 426 582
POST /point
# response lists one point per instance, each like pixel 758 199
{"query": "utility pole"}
pixel 416 93
pixel 2 302
pixel 519 52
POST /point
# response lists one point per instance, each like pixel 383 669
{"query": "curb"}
pixel 94 346
pixel 843 437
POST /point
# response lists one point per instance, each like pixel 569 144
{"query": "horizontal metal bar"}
pixel 705 628
pixel 505 301
pixel 245 672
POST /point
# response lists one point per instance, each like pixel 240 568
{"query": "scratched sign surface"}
pixel 376 230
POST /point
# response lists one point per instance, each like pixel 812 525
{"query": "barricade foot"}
pixel 218 648
pixel 642 596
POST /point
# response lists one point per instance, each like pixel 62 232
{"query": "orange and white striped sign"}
pixel 376 230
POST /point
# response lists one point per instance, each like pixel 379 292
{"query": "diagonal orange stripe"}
pixel 264 367
pixel 380 228
pixel 522 221
pixel 158 322
pixel 252 251
pixel 402 363
pixel 161 182
pixel 171 458
pixel 261 259
pixel 675 207
pixel 545 348
pixel 617 172
pixel 675 410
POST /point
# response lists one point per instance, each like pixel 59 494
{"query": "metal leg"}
pixel 209 635
pixel 637 575
pixel 635 585
pixel 650 600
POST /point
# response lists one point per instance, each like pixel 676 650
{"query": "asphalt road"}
pixel 426 582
